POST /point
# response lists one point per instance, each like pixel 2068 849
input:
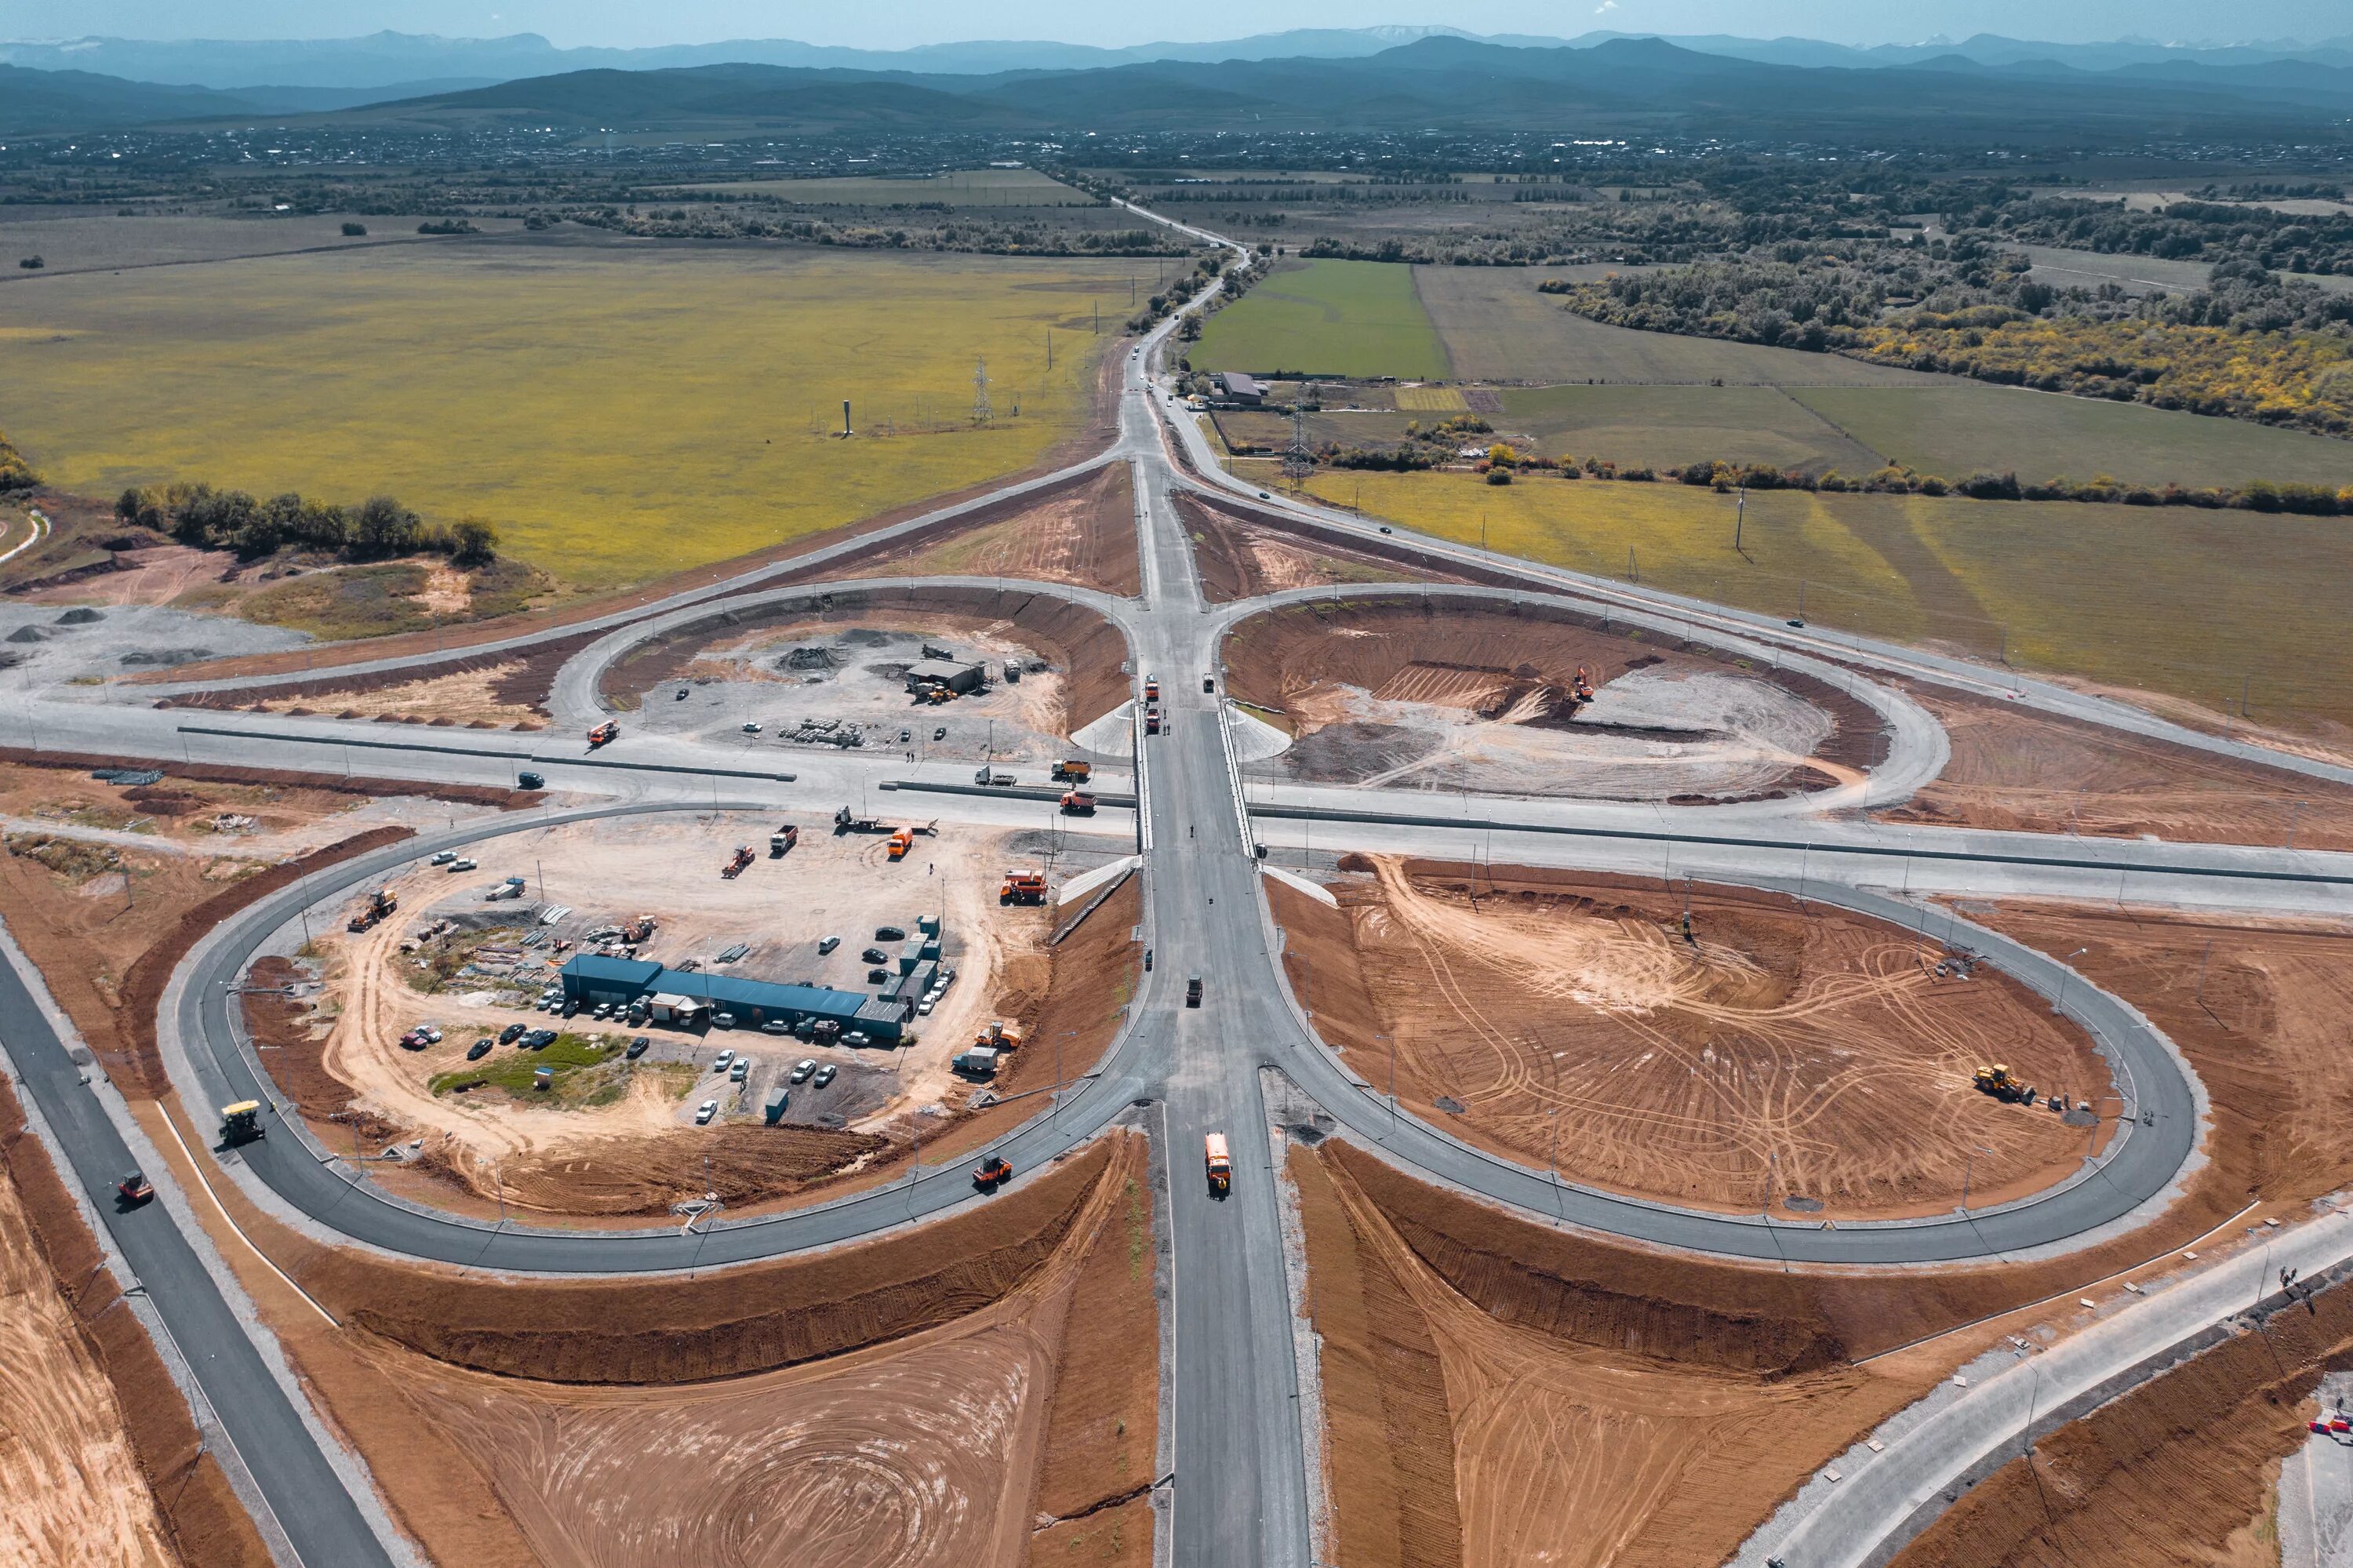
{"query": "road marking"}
pixel 205 1181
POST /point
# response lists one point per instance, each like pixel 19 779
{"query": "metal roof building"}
pixel 590 979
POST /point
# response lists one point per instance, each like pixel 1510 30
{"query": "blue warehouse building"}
pixel 589 979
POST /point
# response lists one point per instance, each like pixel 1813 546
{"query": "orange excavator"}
pixel 734 868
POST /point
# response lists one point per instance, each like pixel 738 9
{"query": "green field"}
pixel 1955 430
pixel 1326 318
pixel 1659 427
pixel 2184 603
pixel 619 411
pixel 961 187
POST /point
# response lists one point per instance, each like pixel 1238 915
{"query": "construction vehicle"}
pixel 512 887
pixel 381 903
pixel 734 868
pixel 1072 771
pixel 902 841
pixel 1218 1163
pixel 998 1036
pixel 637 930
pixel 604 733
pixel 975 1064
pixel 241 1123
pixel 782 839
pixel 1583 690
pixel 991 1173
pixel 1023 887
pixel 1151 721
pixel 843 823
pixel 1998 1082
pixel 135 1189
pixel 1151 688
pixel 1078 804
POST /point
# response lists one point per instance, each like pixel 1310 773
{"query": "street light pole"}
pixel 2065 975
pixel 1967 1160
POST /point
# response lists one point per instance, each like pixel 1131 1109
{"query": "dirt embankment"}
pixel 2163 1476
pixel 103 1462
pixel 1084 647
pixel 1240 558
pixel 1082 533
pixel 2017 771
pixel 107 959
pixel 2257 1006
pixel 1489 1400
pixel 1799 1055
pixel 283 778
pixel 483 690
pixel 1318 662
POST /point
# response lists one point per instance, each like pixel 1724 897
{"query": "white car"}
pixel 802 1069
pixel 925 1007
pixel 726 1060
pixel 824 1076
pixel 751 727
pixel 443 857
pixel 704 1112
pixel 464 865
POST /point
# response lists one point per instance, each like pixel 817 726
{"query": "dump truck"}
pixel 1023 887
pixel 1078 804
pixel 989 780
pixel 1151 721
pixel 1151 688
pixel 735 867
pixel 1998 1082
pixel 780 841
pixel 381 903
pixel 1218 1163
pixel 604 733
pixel 902 841
pixel 241 1122
pixel 1072 770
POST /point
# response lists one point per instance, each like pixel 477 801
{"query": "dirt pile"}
pixel 2166 1474
pixel 1086 649
pixel 742 1165
pixel 1564 1016
pixel 1497 1428
pixel 1083 534
pixel 2021 772
pixel 1421 692
pixel 84 1388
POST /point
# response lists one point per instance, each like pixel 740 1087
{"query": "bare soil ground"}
pixel 1562 1015
pixel 2166 1476
pixel 475 689
pixel 1241 558
pixel 1080 648
pixel 103 1463
pixel 2014 770
pixel 1477 1433
pixel 631 1148
pixel 1420 696
pixel 1083 535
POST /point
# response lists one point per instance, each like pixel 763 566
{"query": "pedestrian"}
pixel 931 868
pixel 1688 938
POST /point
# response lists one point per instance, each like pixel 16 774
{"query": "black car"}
pixel 511 1033
pixel 527 780
pixel 478 1049
pixel 874 956
pixel 877 976
pixel 638 1047
pixel 889 934
pixel 539 1039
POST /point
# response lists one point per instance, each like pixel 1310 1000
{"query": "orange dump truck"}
pixel 1023 887
pixel 604 733
pixel 1220 1165
pixel 1078 804
pixel 902 841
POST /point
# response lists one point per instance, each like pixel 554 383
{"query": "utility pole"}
pixel 1739 517
pixel 981 412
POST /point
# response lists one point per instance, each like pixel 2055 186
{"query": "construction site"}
pixel 1417 693
pixel 634 1036
pixel 1696 1045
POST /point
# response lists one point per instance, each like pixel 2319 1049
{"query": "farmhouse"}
pixel 1240 388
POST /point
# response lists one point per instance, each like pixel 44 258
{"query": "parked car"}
pixel 802 1069
pixel 704 1112
pixel 638 1047
pixel 824 1075
pixel 827 946
pixel 682 695
pixel 890 934
pixel 877 976
pixel 604 1011
pixel 874 956
pixel 539 1040
pixel 740 1070
pixel 570 1008
pixel 443 857
pixel 941 732
pixel 751 726
pixel 527 780
pixel 723 1021
pixel 906 735
pixel 431 1032
pixel 414 1040
pixel 776 1026
pixel 726 1058
pixel 923 1008
pixel 461 864
pixel 478 1049
pixel 855 1038
pixel 511 1033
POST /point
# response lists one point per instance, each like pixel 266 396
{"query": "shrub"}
pixel 353 230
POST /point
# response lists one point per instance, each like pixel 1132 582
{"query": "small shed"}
pixel 957 677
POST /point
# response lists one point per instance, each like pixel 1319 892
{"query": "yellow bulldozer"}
pixel 1998 1082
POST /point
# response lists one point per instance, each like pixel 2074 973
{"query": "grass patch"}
pixel 1954 431
pixel 1327 318
pixel 2188 604
pixel 1659 427
pixel 618 412
pixel 588 1072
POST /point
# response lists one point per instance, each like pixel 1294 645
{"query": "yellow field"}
pixel 619 411
pixel 2196 605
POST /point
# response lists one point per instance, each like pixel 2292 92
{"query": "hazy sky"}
pixel 634 22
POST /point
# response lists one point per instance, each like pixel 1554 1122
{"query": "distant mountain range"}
pixel 408 62
pixel 1981 88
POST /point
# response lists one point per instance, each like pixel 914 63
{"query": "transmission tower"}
pixel 1298 462
pixel 981 412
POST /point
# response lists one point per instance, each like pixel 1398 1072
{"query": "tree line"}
pixel 377 528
